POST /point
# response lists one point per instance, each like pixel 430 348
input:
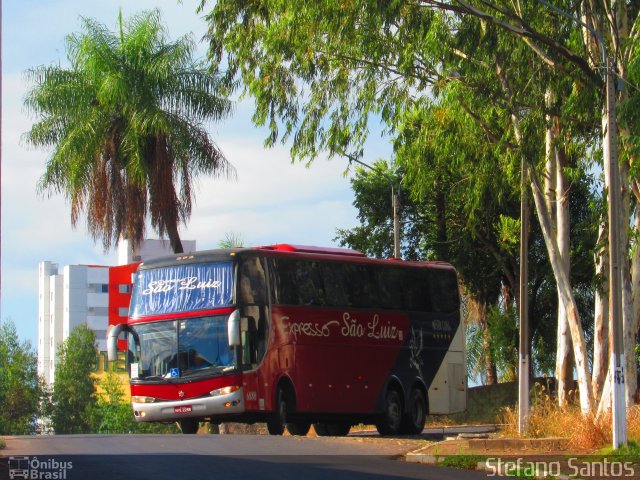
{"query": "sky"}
pixel 272 201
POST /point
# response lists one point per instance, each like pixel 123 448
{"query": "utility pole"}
pixel 616 366
pixel 396 221
pixel 395 203
pixel 523 314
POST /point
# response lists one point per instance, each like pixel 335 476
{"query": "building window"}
pixel 123 311
pixel 124 288
pixel 105 288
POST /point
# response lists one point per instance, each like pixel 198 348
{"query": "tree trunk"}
pixel 478 313
pixel 566 297
pixel 560 273
pixel 601 316
pixel 174 238
pixel 628 323
pixel 564 358
pixel 557 203
pixel 632 323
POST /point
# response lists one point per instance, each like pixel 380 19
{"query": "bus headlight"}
pixel 141 399
pixel 224 390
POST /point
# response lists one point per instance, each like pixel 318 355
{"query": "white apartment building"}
pixel 76 294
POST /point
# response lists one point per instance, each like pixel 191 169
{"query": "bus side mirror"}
pixel 233 329
pixel 112 341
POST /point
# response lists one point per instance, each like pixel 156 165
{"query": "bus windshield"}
pixel 194 347
pixel 182 288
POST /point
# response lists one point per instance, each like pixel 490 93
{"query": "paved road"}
pixel 159 457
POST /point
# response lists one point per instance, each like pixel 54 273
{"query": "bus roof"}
pixel 285 250
pixel 287 247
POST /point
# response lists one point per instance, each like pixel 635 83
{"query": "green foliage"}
pixel 112 413
pixel 503 331
pixel 626 453
pixel 449 84
pixel 231 240
pixel 126 125
pixel 74 387
pixel 467 462
pixel 21 390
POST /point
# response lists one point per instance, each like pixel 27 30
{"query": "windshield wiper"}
pixel 158 377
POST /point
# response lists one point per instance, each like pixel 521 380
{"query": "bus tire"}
pixel 189 426
pixel 321 429
pixel 340 429
pixel 298 428
pixel 416 415
pixel 332 429
pixel 278 419
pixel 390 419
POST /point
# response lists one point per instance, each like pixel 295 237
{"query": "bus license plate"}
pixel 183 409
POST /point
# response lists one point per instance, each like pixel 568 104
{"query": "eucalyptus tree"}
pixel 595 32
pixel 126 124
pixel 524 75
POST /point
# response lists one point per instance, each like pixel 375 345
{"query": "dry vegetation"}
pixel 547 419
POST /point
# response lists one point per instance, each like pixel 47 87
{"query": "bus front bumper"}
pixel 220 405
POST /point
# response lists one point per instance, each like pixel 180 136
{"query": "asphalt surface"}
pixel 159 457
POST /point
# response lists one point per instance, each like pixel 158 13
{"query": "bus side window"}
pixel 361 289
pixel 282 275
pixel 418 294
pixel 444 291
pixel 334 284
pixel 252 285
pixel 254 339
pixel 389 285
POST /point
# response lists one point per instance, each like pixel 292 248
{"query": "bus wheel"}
pixel 413 420
pixel 339 429
pixel 299 428
pixel 321 429
pixel 278 419
pixel 391 417
pixel 189 426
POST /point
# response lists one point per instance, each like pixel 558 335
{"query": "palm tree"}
pixel 126 126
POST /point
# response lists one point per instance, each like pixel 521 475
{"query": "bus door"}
pixel 254 342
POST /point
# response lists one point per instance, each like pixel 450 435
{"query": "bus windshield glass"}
pixel 191 347
pixel 182 288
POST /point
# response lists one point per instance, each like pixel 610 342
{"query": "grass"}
pixel 468 462
pixel 628 453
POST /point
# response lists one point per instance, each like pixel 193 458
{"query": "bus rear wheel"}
pixel 189 426
pixel 278 419
pixel 298 428
pixel 390 419
pixel 413 421
pixel 337 429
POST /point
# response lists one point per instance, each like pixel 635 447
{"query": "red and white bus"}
pixel 294 336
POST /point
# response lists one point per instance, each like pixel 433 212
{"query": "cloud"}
pixel 272 201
